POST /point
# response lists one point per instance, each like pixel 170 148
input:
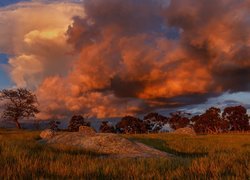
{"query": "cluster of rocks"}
pixel 83 130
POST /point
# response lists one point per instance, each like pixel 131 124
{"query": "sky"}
pixel 113 58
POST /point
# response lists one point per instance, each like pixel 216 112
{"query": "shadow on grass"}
pixel 65 150
pixel 163 146
pixel 246 145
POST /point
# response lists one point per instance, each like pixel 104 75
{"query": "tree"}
pixel 210 122
pixel 107 127
pixel 18 104
pixel 154 122
pixel 54 125
pixel 75 122
pixel 156 117
pixel 179 120
pixel 131 125
pixel 237 118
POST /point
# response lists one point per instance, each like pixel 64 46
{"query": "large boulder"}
pixel 107 144
pixel 47 134
pixel 86 130
pixel 185 131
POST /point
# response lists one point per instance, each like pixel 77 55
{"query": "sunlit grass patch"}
pixel 195 157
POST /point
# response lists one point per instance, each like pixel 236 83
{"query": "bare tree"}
pixel 18 104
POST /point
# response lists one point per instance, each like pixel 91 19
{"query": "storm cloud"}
pixel 133 56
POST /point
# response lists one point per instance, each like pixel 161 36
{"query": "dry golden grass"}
pixel 199 157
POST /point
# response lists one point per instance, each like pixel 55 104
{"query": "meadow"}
pixel 224 156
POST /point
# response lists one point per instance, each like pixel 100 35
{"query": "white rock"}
pixel 47 134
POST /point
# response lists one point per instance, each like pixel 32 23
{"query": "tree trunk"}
pixel 17 124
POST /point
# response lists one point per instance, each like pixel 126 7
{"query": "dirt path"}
pixel 112 144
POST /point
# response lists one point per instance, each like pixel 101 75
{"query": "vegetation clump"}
pixel 75 122
pixel 212 121
pixel 223 156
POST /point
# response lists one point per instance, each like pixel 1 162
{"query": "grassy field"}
pixel 200 157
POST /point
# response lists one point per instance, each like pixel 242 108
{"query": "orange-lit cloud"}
pixel 33 33
pixel 115 57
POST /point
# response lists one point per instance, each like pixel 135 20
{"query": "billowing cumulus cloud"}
pixel 33 34
pixel 115 57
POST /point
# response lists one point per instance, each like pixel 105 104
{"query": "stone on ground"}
pixel 185 131
pixel 47 134
pixel 87 130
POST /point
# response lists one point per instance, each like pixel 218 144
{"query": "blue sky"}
pixel 7 2
pixel 46 64
pixel 4 78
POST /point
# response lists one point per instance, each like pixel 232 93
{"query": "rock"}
pixel 86 130
pixel 185 131
pixel 107 144
pixel 47 134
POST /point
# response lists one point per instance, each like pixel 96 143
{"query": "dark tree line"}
pixel 21 103
pixel 212 120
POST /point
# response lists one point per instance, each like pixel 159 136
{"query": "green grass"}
pixel 200 157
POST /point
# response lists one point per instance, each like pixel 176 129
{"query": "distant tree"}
pixel 75 122
pixel 210 122
pixel 237 117
pixel 18 104
pixel 156 117
pixel 54 125
pixel 131 125
pixel 179 120
pixel 106 127
pixel 154 122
